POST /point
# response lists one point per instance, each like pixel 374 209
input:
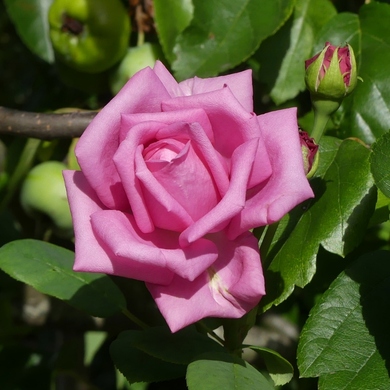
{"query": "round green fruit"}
pixel 89 35
pixel 137 58
pixel 43 193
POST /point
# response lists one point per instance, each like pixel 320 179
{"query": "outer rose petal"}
pixel 147 255
pixel 167 79
pixel 144 92
pixel 239 83
pixel 91 254
pixel 230 288
pixel 287 186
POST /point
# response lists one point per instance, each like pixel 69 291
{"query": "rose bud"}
pixel 309 153
pixel 331 74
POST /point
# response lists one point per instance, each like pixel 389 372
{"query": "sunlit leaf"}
pixel 279 369
pixel 171 18
pixel 345 341
pixel 224 33
pixel 223 371
pixel 380 163
pixel 48 268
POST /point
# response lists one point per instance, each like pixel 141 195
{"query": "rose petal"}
pixel 167 79
pixel 183 116
pixel 201 143
pixel 187 180
pixel 124 160
pixel 143 93
pixel 230 288
pixel 150 203
pixel 287 187
pixel 92 255
pixel 164 209
pixel 152 255
pixel 231 123
pixel 239 83
pixel 234 200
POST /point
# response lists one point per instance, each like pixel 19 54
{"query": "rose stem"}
pixel 323 109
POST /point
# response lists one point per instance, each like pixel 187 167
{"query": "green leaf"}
pixel 138 365
pixel 48 268
pixel 171 18
pixel 380 163
pixel 279 369
pixel 223 371
pixel 31 21
pixel 345 340
pixel 370 113
pixel 309 17
pixel 382 210
pixel 223 33
pixel 179 348
pixel 341 29
pixel 336 218
pixel 93 341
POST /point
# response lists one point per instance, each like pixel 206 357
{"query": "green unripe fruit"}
pixel 89 35
pixel 137 58
pixel 43 193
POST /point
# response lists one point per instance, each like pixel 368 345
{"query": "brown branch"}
pixel 44 126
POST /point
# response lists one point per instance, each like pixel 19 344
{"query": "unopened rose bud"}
pixel 331 74
pixel 309 153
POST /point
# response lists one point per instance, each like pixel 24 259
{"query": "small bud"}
pixel 309 153
pixel 332 73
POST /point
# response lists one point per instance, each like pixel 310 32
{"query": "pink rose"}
pixel 173 176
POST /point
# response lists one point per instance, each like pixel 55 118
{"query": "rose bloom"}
pixel 173 177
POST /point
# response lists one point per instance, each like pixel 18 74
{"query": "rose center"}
pixel 165 150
